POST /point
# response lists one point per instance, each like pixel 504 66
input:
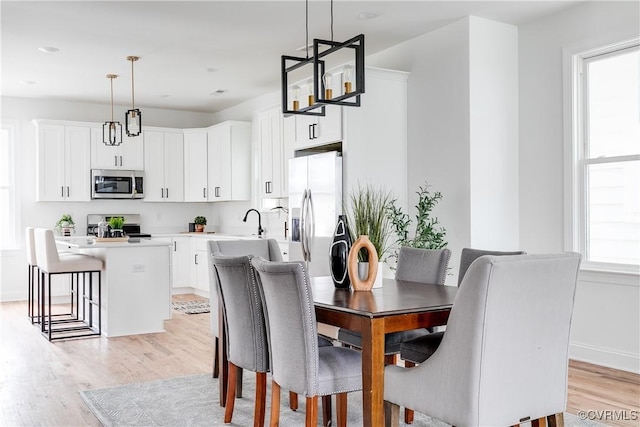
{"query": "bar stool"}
pixel 50 263
pixel 32 266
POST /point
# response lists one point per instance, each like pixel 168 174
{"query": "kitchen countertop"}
pixel 86 242
pixel 220 236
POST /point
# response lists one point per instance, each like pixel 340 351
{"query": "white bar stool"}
pixel 50 263
pixel 32 265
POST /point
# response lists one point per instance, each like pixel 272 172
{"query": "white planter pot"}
pixel 363 271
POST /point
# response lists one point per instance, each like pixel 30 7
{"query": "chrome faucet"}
pixel 260 229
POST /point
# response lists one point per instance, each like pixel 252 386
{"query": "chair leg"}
pixel 341 409
pixel 239 376
pixel 391 414
pixel 275 404
pixel 326 410
pixel 261 398
pixel 390 359
pixel 216 370
pixel 311 415
pixel 556 420
pixel 293 401
pixel 408 413
pixel 231 393
pixel 540 422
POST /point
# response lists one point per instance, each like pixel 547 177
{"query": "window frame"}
pixel 13 126
pixel 575 135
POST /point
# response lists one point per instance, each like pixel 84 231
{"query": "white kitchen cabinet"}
pixel 127 156
pixel 229 161
pixel 164 153
pixel 284 248
pixel 180 261
pixel 63 157
pixel 272 162
pixel 201 266
pixel 195 165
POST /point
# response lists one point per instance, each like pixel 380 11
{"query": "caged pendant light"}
pixel 112 130
pixel 319 86
pixel 133 117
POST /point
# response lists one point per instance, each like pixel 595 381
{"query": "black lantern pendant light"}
pixel 319 87
pixel 112 130
pixel 133 117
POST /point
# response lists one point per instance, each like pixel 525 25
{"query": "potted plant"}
pixel 116 223
pixel 428 233
pixel 200 222
pixel 65 225
pixel 367 216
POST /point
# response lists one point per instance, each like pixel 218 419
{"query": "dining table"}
pixel 396 306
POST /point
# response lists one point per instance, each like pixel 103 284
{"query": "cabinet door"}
pixel 77 163
pixel 132 152
pixel 103 156
pixel 154 166
pixel 51 163
pixel 220 163
pixel 181 260
pixel 312 131
pixel 271 153
pixel 195 167
pixel 202 271
pixel 173 166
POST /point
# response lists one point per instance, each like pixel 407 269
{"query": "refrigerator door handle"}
pixel 303 225
pixel 312 225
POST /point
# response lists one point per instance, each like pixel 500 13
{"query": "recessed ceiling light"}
pixel 165 96
pixel 48 49
pixel 367 15
pixel 218 92
pixel 211 70
pixel 27 82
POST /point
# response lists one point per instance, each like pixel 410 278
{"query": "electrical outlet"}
pixel 138 268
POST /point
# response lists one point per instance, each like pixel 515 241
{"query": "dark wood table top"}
pixel 395 297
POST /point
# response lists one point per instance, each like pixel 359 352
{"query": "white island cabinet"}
pixel 136 283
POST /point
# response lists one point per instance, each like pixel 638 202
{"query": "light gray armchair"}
pixel 504 357
pixel 415 265
pixel 298 363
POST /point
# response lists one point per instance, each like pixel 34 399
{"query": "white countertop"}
pixel 87 242
pixel 220 236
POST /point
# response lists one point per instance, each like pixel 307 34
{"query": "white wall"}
pixel 606 322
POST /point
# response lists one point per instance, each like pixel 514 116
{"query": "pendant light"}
pixel 133 117
pixel 319 86
pixel 112 130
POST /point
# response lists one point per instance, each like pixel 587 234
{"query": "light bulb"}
pixel 327 79
pixel 311 97
pixel 347 75
pixel 296 97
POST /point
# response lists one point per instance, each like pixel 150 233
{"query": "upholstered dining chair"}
pixel 247 346
pixel 297 362
pixel 416 265
pixel 504 357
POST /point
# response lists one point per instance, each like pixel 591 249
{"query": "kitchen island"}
pixel 136 283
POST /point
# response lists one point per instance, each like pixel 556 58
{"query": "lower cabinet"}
pixel 201 268
pixel 180 261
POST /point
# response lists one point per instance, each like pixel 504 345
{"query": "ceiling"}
pixel 190 49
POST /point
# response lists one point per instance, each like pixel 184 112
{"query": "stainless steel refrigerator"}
pixel 315 201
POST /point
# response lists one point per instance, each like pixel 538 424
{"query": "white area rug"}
pixel 193 401
pixel 191 307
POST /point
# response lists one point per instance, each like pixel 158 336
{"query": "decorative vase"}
pixel 117 233
pixel 366 284
pixel 339 254
pixel 199 228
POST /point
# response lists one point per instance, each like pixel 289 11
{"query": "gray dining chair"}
pixel 504 357
pixel 247 346
pixel 415 265
pixel 419 349
pixel 298 364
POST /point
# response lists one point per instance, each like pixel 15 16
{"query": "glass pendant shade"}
pixel 133 122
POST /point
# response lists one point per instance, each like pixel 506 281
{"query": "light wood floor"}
pixel 39 381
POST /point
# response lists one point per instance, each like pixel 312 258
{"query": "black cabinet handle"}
pixel 62 191
pixel 195 259
pixel 162 193
pixel 175 247
pixel 167 191
pixel 204 193
pixel 310 132
pixel 68 192
pixel 115 160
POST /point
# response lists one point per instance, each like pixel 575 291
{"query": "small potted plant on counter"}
pixel 200 222
pixel 116 223
pixel 65 225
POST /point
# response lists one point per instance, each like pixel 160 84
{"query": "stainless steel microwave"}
pixel 117 184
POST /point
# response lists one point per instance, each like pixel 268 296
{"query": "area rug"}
pixel 193 401
pixel 191 307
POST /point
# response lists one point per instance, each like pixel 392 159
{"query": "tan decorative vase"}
pixel 199 228
pixel 366 284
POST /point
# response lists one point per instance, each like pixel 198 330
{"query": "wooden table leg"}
pixel 222 357
pixel 372 372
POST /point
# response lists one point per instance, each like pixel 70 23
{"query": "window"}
pixel 606 156
pixel 8 212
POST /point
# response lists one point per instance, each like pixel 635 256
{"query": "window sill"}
pixel 589 273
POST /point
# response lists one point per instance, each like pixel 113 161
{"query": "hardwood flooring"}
pixel 39 381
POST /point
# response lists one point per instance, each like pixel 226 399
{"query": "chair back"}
pixel 46 250
pixel 31 246
pixel 469 255
pixel 291 320
pixel 505 352
pixel 246 338
pixel 423 265
pixel 265 248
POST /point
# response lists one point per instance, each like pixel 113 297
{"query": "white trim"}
pixel 629 362
pixel 608 277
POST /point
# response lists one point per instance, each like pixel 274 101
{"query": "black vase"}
pixel 339 254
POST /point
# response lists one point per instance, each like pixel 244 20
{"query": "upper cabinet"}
pixel 63 153
pixel 128 156
pixel 217 163
pixel 163 165
pixel 272 162
pixel 229 160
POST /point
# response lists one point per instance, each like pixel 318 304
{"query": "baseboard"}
pixel 624 361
